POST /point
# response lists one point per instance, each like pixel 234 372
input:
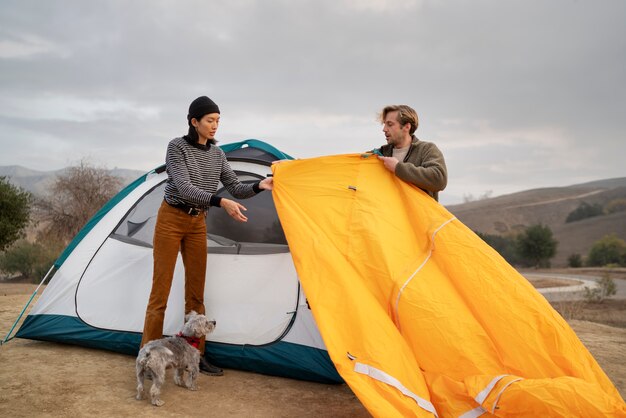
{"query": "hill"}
pixel 499 215
pixel 510 214
pixel 39 182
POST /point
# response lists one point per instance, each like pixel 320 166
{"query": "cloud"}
pixel 27 45
pixel 77 109
pixel 518 86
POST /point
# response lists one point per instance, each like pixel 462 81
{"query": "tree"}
pixel 608 250
pixel 536 245
pixel 504 245
pixel 470 197
pixel 584 211
pixel 14 212
pixel 75 197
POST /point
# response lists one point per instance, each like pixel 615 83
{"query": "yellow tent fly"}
pixel 419 315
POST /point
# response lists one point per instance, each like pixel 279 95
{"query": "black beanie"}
pixel 200 107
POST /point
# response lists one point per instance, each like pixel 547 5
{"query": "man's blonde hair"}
pixel 406 114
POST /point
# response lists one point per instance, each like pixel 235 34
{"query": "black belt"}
pixel 189 210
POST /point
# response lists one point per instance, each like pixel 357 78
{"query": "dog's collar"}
pixel 193 341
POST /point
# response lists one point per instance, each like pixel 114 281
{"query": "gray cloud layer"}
pixel 517 94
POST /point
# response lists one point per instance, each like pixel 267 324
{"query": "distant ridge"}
pixel 606 184
pixel 39 182
pixel 543 195
pixel 499 215
pixel 510 214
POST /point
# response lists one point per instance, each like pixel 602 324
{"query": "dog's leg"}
pixel 158 378
pixel 178 376
pixel 191 377
pixel 140 380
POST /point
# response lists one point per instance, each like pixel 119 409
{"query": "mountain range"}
pixel 501 215
pixel 38 182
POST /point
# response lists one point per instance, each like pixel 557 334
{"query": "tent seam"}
pixel 430 252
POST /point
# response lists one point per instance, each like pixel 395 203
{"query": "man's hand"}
pixel 234 209
pixel 267 183
pixel 389 162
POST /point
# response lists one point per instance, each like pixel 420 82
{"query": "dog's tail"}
pixel 146 359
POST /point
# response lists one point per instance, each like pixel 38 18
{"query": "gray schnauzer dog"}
pixel 176 352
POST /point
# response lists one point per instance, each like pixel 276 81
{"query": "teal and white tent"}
pixel 99 290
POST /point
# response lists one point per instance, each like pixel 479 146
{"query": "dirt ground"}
pixel 48 379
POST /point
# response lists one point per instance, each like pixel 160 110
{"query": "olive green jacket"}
pixel 423 166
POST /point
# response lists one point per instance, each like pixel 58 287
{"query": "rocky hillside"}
pixel 550 206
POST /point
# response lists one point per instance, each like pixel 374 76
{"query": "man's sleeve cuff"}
pixel 256 187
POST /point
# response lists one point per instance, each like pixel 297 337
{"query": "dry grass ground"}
pixel 42 379
pixel 611 312
pixel 46 379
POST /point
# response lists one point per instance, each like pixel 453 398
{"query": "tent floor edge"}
pixel 282 359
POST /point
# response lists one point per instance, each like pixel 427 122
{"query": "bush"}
pixel 30 260
pixel 504 245
pixel 585 210
pixel 616 205
pixel 606 287
pixel 608 250
pixel 575 260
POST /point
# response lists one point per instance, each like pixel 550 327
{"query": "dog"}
pixel 172 352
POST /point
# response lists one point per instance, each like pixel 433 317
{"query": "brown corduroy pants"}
pixel 174 231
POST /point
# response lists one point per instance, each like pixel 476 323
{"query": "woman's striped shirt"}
pixel 194 172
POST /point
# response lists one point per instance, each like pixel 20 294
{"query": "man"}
pixel 414 161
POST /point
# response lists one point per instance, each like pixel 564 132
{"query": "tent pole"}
pixel 6 339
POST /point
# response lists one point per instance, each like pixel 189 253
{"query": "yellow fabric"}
pixel 416 310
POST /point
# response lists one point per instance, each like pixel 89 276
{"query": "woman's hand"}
pixel 267 183
pixel 234 209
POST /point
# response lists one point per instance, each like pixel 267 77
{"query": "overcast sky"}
pixel 517 94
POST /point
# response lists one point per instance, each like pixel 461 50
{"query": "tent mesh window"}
pixel 262 234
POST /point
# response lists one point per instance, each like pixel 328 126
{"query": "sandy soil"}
pixel 47 379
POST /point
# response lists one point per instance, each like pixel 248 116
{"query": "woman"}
pixel 194 165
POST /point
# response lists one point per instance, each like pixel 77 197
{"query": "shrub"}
pixel 616 205
pixel 583 211
pixel 608 250
pixel 606 287
pixel 569 309
pixel 30 260
pixel 575 260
